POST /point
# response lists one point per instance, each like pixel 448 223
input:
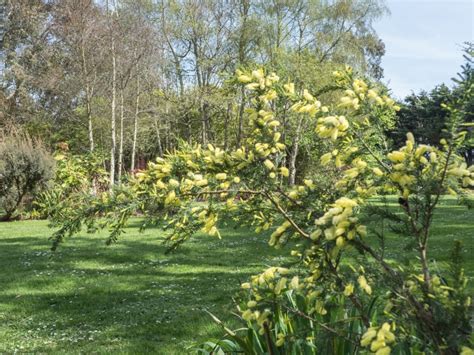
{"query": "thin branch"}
pixel 285 214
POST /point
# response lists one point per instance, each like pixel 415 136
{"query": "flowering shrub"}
pixel 341 288
pixel 75 178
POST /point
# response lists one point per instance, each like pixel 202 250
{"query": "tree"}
pixel 413 306
pixel 463 93
pixel 23 50
pixel 61 55
pixel 424 115
pixel 79 28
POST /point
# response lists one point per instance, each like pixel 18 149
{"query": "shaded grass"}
pixel 132 297
pixel 451 222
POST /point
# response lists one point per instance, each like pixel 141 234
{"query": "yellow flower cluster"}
pixel 363 284
pixel 264 222
pixel 358 167
pixel 407 161
pixel 299 191
pixel 159 170
pixel 276 235
pixel 379 339
pixel 309 104
pixel 256 80
pixel 339 224
pixel 413 162
pixel 214 155
pixel 259 317
pixel 338 156
pixel 262 118
pixel 463 173
pixel 265 139
pixel 332 126
pixel 269 283
pixel 465 350
pixel 438 288
pixel 356 176
pixel 210 220
pixel 265 278
pixel 360 92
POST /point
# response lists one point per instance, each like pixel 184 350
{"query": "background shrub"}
pixel 25 169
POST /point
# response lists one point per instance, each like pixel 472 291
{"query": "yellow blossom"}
pixel 316 234
pixel 251 304
pixel 364 285
pixel 340 241
pixel 258 74
pixel 295 283
pixel 170 197
pixel 284 171
pixel 290 88
pixel 466 351
pixel 349 290
pixel 244 79
pixel 377 171
pixel 281 285
pixel 396 156
pixel 307 95
pixel 326 158
pixel 268 164
pixel 160 184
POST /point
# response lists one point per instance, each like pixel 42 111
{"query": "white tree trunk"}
pixel 112 123
pixel 88 98
pixel 135 123
pixel 120 157
pixel 294 153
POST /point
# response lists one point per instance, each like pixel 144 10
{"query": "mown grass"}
pixel 130 297
pixel 451 222
pixel 134 298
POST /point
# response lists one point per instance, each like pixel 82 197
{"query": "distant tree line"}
pixel 131 79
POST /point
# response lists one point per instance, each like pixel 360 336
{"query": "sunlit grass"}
pixel 132 297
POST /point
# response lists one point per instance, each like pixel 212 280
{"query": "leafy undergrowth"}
pixel 132 297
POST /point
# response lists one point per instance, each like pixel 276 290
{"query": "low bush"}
pixel 26 167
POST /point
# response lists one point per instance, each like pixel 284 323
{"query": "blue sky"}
pixel 423 40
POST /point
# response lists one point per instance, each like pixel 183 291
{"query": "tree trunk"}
pixel 120 157
pixel 88 98
pixel 240 129
pixel 158 136
pixel 204 123
pixel 243 42
pixel 226 126
pixel 294 153
pixel 167 146
pixel 135 123
pixel 112 123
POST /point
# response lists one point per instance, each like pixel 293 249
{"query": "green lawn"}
pixel 131 297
